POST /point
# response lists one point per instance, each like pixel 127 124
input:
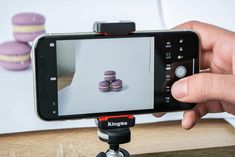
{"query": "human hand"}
pixel 213 90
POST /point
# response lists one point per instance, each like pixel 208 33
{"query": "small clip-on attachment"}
pixel 115 130
pixel 114 28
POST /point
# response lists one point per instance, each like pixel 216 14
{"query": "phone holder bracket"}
pixel 115 130
pixel 114 28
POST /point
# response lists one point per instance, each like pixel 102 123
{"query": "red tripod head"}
pixel 115 122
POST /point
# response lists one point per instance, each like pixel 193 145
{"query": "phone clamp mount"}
pixel 115 130
pixel 114 28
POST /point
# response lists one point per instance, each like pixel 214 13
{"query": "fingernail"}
pixel 180 89
pixel 188 125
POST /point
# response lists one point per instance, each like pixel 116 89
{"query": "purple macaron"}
pixel 109 75
pixel 104 86
pixel 28 26
pixel 15 55
pixel 116 85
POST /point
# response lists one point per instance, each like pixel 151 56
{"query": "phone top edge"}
pixel 93 33
pixel 48 35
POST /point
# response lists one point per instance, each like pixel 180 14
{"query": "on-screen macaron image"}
pixel 116 85
pixel 109 75
pixel 104 86
pixel 15 55
pixel 28 26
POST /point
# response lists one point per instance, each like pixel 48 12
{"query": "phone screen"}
pixel 105 75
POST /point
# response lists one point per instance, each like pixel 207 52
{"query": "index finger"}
pixel 208 33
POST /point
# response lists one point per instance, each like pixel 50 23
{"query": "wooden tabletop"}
pixel 208 138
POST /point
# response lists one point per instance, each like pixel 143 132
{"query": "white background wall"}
pixel 79 15
pixel 220 12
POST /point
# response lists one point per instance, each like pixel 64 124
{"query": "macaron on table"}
pixel 104 86
pixel 109 75
pixel 15 55
pixel 116 85
pixel 28 26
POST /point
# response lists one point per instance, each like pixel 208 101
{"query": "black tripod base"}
pixel 111 153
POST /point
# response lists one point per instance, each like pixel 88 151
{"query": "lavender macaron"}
pixel 116 85
pixel 28 26
pixel 15 55
pixel 109 75
pixel 104 86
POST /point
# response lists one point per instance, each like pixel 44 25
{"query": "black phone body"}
pixel 147 62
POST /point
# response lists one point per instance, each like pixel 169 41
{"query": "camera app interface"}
pixel 105 75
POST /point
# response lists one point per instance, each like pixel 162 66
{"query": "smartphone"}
pixel 69 69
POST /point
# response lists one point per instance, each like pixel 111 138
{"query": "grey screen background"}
pixel 65 57
pixel 131 58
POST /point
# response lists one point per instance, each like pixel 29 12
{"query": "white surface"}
pixel 93 58
pixel 16 91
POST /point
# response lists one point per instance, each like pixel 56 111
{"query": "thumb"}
pixel 204 87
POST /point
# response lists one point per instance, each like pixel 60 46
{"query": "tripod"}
pixel 115 131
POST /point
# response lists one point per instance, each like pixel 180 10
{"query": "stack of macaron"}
pixel 110 82
pixel 15 55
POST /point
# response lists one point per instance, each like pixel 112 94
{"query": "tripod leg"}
pixel 124 152
pixel 101 154
pixel 119 153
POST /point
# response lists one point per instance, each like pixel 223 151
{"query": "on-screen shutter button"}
pixel 180 71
